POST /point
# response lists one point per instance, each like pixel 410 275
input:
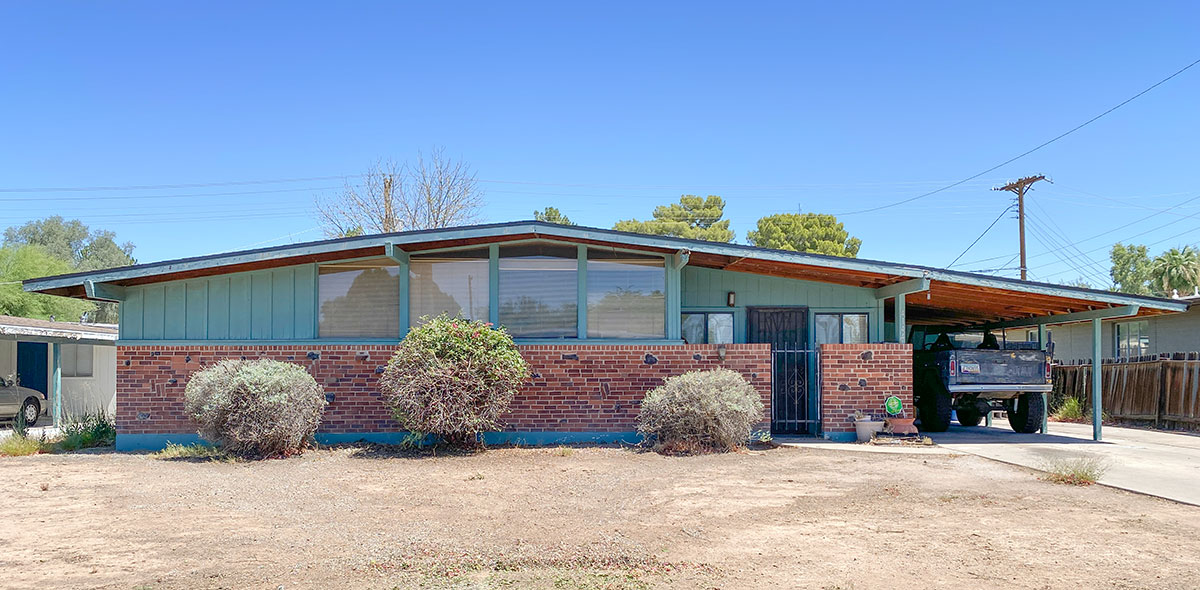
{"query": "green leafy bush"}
pixel 701 410
pixel 256 408
pixel 453 378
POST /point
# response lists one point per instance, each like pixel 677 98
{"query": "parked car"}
pixel 16 400
pixel 974 381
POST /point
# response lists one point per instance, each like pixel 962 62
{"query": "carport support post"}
pixel 56 381
pixel 1097 380
pixel 1045 396
pixel 901 321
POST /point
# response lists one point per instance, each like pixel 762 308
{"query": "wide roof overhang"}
pixel 936 297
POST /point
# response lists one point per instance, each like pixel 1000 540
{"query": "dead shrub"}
pixel 256 408
pixel 700 411
pixel 453 378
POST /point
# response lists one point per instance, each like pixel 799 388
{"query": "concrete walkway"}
pixel 1163 464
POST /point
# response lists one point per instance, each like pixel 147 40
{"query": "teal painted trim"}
pixel 878 325
pixel 245 342
pixel 494 284
pixel 56 381
pixel 1067 318
pixel 674 297
pixel 405 319
pixel 1097 382
pixel 155 442
pixel 598 341
pixel 901 319
pixel 905 288
pixel 103 291
pixel 391 251
pixel 581 291
pixel 550 437
pixel 845 437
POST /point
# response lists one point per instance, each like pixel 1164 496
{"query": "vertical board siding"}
pixel 277 304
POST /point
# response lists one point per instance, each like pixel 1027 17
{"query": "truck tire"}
pixel 935 408
pixel 969 415
pixel 1026 417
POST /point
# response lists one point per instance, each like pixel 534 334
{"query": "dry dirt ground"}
pixel 579 518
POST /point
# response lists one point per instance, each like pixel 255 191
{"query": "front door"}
pixel 786 330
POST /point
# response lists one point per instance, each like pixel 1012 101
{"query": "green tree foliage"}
pixel 1130 269
pixel 18 263
pixel 692 217
pixel 552 215
pixel 805 232
pixel 1175 269
pixel 81 248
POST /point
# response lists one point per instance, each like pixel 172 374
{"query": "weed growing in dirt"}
pixel 1077 471
pixel 1070 411
pixel 93 429
pixel 564 451
pixel 191 452
pixel 19 446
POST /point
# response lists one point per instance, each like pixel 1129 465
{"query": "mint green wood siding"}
pixel 278 304
pixel 707 289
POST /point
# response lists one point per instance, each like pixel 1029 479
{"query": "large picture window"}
pixel 539 291
pixel 455 283
pixel 626 295
pixel 841 328
pixel 359 299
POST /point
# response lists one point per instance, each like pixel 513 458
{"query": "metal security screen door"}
pixel 786 330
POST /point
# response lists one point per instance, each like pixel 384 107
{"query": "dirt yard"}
pixel 579 518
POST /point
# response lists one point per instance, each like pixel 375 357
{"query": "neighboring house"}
pixel 87 356
pixel 1129 337
pixel 602 316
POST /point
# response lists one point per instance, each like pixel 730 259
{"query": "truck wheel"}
pixel 969 415
pixel 935 411
pixel 1026 417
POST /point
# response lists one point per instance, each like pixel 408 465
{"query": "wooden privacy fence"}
pixel 1161 389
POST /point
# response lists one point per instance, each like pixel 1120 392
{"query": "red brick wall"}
pixel 574 388
pixel 861 377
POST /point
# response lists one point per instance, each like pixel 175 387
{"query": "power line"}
pixel 989 228
pixel 138 187
pixel 1026 153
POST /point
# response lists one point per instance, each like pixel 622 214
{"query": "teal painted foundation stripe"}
pixel 841 436
pixel 157 442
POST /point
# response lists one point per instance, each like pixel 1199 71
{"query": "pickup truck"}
pixel 975 381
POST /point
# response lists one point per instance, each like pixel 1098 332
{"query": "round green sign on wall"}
pixel 893 405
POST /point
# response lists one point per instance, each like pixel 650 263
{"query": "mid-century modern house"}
pixel 72 365
pixel 602 316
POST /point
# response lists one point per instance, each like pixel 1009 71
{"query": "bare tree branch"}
pixel 432 192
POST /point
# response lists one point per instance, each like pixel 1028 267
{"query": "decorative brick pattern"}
pixel 573 389
pixel 861 377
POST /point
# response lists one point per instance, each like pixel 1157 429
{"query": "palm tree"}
pixel 1176 269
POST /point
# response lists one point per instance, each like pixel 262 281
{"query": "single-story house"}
pixel 73 366
pixel 1127 337
pixel 602 316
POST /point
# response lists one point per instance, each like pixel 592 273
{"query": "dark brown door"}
pixel 786 330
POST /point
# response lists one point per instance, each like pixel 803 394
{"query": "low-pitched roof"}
pixel 954 297
pixel 15 328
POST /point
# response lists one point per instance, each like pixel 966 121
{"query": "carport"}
pixel 947 301
pixel 57 358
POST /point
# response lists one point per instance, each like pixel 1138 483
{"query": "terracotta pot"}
pixel 900 425
pixel 866 428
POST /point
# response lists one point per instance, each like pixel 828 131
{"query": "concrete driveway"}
pixel 1163 464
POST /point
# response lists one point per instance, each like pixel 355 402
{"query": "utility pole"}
pixel 1018 187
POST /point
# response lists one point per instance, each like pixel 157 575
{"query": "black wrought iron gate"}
pixel 786 330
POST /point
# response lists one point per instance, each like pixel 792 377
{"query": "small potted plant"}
pixel 866 426
pixel 896 423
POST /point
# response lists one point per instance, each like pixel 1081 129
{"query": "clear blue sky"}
pixel 607 109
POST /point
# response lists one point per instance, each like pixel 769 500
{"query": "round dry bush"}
pixel 256 408
pixel 701 410
pixel 453 378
